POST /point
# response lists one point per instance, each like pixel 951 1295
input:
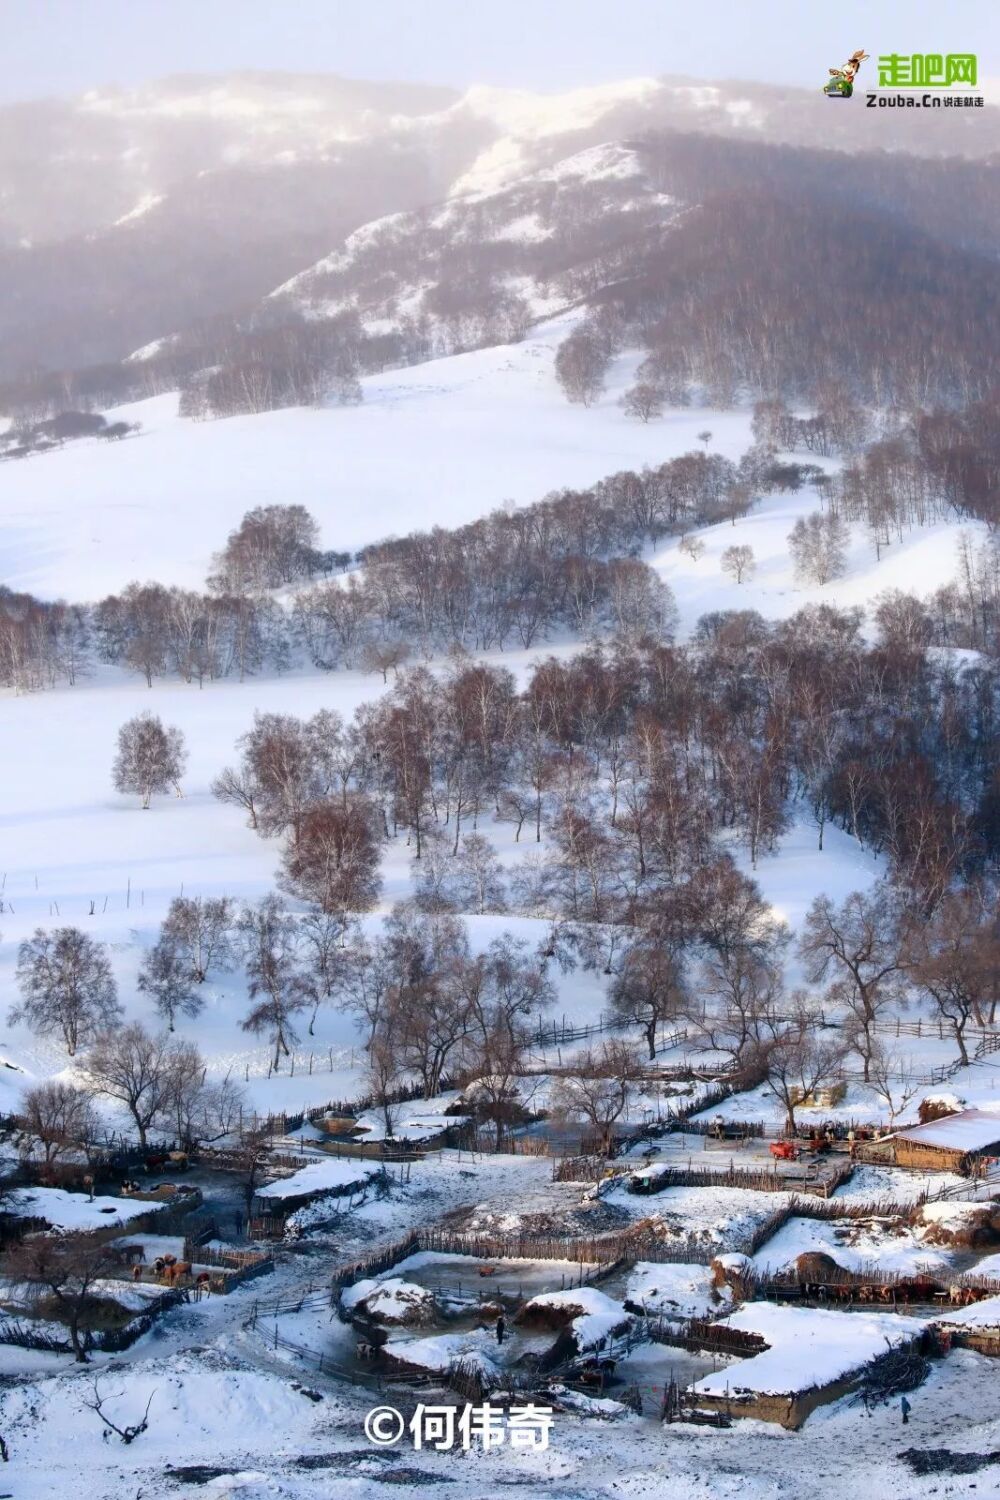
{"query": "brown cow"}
pixel 177 1270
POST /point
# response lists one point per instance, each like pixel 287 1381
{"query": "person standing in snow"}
pixel 501 1328
pixel 904 1407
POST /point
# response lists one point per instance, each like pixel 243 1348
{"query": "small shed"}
pixel 809 1358
pixel 975 1327
pixel 325 1177
pixel 953 1143
pixel 823 1096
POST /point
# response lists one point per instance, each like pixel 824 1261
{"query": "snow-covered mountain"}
pixel 126 216
pixel 483 265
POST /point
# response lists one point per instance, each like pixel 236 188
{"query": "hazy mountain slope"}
pixel 70 167
pixel 765 291
pixel 480 267
pixel 125 216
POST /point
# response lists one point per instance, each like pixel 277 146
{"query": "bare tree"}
pixel 369 976
pixel 894 1079
pixel 496 1058
pixel 818 544
pixel 165 975
pixel 385 656
pixel 67 987
pixel 133 1067
pixel 744 988
pixel 276 983
pixel 201 928
pixel 581 364
pixel 600 1090
pixel 382 1076
pixel 59 1273
pixel 239 788
pixel 197 1110
pixel 60 1117
pixel 326 954
pixel 643 401
pixel 272 546
pixel 802 1055
pixel 252 1155
pixel 738 562
pixel 334 861
pixel 481 886
pixel 150 758
pixel 954 957
pixel 859 945
pixel 278 772
pixel 649 989
pixel 692 547
pixel 131 1430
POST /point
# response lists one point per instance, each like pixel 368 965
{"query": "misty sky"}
pixel 66 46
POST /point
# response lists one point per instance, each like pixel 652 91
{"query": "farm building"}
pixel 974 1327
pixel 329 1177
pixel 823 1096
pixel 953 1143
pixel 55 1209
pixel 812 1356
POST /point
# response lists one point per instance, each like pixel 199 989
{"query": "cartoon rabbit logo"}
pixel 841 85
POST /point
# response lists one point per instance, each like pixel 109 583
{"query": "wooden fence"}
pixel 703 1336
pixel 766 1180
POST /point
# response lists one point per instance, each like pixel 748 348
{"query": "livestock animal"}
pixel 597 1371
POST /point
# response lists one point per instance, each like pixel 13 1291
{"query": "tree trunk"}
pixel 79 1352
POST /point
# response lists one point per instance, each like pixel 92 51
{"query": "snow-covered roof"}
pixel 393 1299
pixel 970 1130
pixel 985 1314
pixel 682 1291
pixel 438 1351
pixel 599 1315
pixel 416 1120
pixel 75 1211
pixel 330 1176
pixel 807 1348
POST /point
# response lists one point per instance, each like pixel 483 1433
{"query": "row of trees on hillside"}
pixel 570 562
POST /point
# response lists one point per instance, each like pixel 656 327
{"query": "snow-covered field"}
pixel 921 561
pixel 436 444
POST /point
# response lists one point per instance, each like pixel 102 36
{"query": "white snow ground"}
pixel 436 444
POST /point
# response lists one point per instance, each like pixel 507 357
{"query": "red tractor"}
pixel 784 1150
